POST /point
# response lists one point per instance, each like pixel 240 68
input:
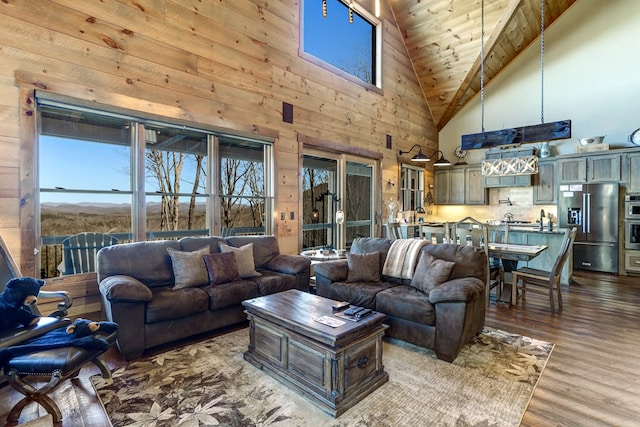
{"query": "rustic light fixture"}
pixel 523 134
pixel 420 157
pixel 441 160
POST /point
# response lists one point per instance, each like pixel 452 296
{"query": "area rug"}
pixel 209 383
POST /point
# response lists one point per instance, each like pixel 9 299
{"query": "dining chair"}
pixel 435 234
pixel 548 279
pixel 478 236
pixel 393 230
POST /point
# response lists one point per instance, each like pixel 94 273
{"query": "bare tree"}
pixel 167 166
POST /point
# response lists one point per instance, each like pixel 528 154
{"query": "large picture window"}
pixel 347 37
pixel 104 174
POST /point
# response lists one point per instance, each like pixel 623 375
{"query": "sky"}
pixel 333 38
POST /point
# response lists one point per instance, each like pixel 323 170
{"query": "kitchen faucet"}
pixel 541 219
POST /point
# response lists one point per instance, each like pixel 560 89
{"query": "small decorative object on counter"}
pixel 545 150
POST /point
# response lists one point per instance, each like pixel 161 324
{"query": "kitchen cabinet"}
pixel 594 168
pixel 633 171
pixel 545 189
pixel 475 193
pixel 460 186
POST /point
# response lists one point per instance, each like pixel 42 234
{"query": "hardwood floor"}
pixel 591 379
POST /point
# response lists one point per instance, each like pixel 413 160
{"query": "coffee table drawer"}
pixel 360 363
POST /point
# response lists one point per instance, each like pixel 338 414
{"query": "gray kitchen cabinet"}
pixel 545 188
pixel 460 186
pixel 442 186
pixel 594 168
pixel 475 192
pixel 633 171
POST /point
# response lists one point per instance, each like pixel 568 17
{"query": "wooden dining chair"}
pixel 435 234
pixel 478 236
pixel 393 230
pixel 547 279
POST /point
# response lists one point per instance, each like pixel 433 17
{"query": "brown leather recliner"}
pixel 443 320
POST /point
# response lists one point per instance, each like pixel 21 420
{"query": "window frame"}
pixel 376 23
pixel 139 192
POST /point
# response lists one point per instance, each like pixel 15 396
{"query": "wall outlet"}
pixel 282 216
pixel 292 215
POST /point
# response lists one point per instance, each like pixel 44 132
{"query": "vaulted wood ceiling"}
pixel 443 40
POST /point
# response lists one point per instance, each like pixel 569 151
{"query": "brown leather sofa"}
pixel 444 319
pixel 137 287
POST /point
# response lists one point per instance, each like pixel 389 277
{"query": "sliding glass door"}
pixel 338 200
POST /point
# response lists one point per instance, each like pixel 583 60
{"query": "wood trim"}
pixel 336 147
pixel 28 178
pixel 92 97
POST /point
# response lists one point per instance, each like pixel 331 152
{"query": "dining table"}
pixel 512 253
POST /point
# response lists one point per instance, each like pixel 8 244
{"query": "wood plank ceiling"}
pixel 443 41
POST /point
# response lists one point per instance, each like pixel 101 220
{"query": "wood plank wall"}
pixel 227 63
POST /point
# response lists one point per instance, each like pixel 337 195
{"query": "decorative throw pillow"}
pixel 431 272
pixel 244 259
pixel 363 267
pixel 222 268
pixel 188 267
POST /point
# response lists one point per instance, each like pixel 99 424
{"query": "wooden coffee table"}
pixel 334 367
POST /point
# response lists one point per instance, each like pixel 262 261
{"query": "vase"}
pixel 545 150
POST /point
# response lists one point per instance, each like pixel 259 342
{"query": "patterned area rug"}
pixel 209 383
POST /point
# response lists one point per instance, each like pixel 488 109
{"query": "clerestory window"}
pixel 344 35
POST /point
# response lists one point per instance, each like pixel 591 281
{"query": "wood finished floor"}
pixel 591 379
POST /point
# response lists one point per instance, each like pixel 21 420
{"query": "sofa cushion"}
pixel 222 268
pixel 431 272
pixel 363 267
pixel 406 302
pixel 168 304
pixel 244 259
pixel 365 245
pixel 148 262
pixel 230 294
pixel 189 269
pixel 265 248
pixel 272 282
pixel 192 243
pixel 362 294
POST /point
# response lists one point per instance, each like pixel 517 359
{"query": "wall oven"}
pixel 632 221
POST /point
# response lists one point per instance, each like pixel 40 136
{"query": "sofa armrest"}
pixel 123 288
pixel 333 271
pixel 463 289
pixel 288 264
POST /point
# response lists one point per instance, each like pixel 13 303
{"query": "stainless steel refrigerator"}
pixel 593 208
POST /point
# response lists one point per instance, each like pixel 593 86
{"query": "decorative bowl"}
pixel 591 140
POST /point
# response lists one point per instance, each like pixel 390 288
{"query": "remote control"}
pixel 363 313
pixel 353 310
pixel 338 306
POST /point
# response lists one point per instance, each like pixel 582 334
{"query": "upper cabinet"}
pixel 545 185
pixel 632 163
pixel 594 168
pixel 460 186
